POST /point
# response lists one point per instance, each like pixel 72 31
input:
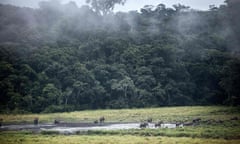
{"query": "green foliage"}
pixel 13 138
pixel 104 6
pixel 61 55
pixel 216 132
pixel 58 108
pixel 49 132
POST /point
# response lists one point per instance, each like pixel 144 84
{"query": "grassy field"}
pixel 166 114
pixel 217 126
pixel 25 138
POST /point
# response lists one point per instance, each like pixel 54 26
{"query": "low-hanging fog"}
pixel 62 56
pixel 128 6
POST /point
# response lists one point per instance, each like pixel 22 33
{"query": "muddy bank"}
pixel 72 128
pixel 69 127
pixel 19 127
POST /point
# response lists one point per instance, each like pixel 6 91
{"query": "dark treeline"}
pixel 61 57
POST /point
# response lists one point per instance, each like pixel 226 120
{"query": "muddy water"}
pixel 25 127
pixel 72 128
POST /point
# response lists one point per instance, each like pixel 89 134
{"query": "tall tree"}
pixel 104 6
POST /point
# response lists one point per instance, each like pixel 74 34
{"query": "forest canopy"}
pixel 61 57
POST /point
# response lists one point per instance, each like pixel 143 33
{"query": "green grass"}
pixel 167 114
pixel 226 131
pixel 215 132
pixel 27 138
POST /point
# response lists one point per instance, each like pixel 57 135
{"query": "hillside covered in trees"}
pixel 61 57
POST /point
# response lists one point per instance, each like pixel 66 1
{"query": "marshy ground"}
pixel 216 125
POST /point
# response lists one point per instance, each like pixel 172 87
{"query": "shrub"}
pixel 55 108
pixel 49 132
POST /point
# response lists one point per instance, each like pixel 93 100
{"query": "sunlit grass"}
pixel 228 131
pixel 168 114
pixel 17 138
pixel 209 131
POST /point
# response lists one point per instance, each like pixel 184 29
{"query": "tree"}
pixel 232 14
pixel 160 94
pixel 78 90
pixel 125 86
pixel 66 94
pixel 103 7
pixel 180 8
pixel 53 96
pixel 147 9
pixel 61 57
pixel 230 82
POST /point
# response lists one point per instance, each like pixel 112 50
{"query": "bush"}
pixel 55 108
pixel 49 132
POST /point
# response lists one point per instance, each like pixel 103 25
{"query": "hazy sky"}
pixel 130 4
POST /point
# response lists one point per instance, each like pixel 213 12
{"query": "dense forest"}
pixel 61 57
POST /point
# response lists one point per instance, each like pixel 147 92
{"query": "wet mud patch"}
pixel 70 128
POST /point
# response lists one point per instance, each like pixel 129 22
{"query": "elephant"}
pixel 101 119
pixel 56 121
pixel 149 120
pixel 158 124
pixel 95 122
pixel 143 125
pixel 35 121
pixel 1 120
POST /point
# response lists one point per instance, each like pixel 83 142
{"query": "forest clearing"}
pixel 76 71
pixel 217 124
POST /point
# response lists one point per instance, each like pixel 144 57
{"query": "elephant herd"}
pixel 160 124
pixel 101 120
pixel 35 121
pixel 145 124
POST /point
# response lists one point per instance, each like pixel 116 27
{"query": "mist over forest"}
pixel 61 57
